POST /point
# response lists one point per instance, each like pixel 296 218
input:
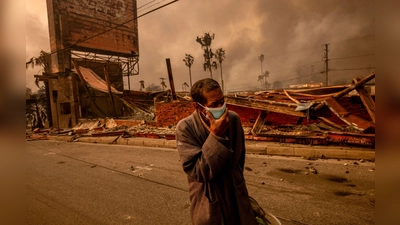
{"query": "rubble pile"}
pixel 327 115
pixel 318 116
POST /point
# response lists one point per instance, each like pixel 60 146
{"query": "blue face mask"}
pixel 216 112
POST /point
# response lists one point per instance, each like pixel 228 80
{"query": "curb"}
pixel 252 147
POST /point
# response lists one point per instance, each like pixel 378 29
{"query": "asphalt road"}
pixel 82 183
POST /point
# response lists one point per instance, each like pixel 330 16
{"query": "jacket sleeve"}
pixel 201 161
pixel 240 133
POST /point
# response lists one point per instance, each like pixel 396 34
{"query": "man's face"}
pixel 214 98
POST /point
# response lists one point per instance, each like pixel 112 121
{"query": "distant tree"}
pixel 43 60
pixel 153 88
pixel 189 62
pixel 302 74
pixel 205 42
pixel 184 86
pixel 220 55
pixel 261 79
pixel 39 115
pixel 265 75
pixel 163 85
pixel 277 85
pixel 36 108
pixel 28 92
pixel 141 85
pixel 261 58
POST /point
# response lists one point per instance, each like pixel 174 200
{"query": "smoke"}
pixel 37 36
pixel 290 34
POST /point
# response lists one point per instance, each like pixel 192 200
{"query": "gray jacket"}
pixel 214 167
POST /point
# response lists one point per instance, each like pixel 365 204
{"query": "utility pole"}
pixel 312 73
pixel 326 64
pixel 171 78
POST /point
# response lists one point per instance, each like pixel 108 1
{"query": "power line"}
pixel 146 4
pixel 352 39
pixel 366 68
pixel 298 77
pixel 280 71
pixel 348 57
pixel 310 47
pixel 150 5
pixel 293 68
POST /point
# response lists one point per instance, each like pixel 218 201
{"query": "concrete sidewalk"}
pixel 253 147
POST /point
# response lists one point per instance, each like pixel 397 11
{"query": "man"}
pixel 211 147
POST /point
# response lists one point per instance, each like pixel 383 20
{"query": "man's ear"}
pixel 195 105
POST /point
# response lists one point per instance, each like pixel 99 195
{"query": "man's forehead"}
pixel 214 95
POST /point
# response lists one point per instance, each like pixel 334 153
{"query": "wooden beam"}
pixel 107 77
pixel 352 120
pixel 348 90
pixel 270 106
pixel 43 78
pixel 330 123
pixel 257 127
pixel 291 98
pixel 368 102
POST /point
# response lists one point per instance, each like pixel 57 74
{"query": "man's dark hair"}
pixel 204 85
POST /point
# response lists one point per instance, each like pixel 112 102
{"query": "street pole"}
pixel 222 80
pixel 171 78
pixel 326 64
pixel 190 76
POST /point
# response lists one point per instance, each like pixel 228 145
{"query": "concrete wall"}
pixel 78 25
pixel 64 86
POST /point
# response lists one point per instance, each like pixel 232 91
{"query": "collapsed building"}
pixel 334 115
pixel 98 35
pixel 342 115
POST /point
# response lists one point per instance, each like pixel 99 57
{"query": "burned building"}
pixel 98 35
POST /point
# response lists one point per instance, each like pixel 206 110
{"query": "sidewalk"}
pixel 252 147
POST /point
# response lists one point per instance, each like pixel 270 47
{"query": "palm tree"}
pixel 205 43
pixel 220 55
pixel 265 75
pixel 261 58
pixel 189 62
pixel 43 60
pixel 261 79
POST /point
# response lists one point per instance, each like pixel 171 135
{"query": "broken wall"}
pixel 168 114
pixel 64 104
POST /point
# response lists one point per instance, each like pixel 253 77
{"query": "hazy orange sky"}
pixel 290 34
